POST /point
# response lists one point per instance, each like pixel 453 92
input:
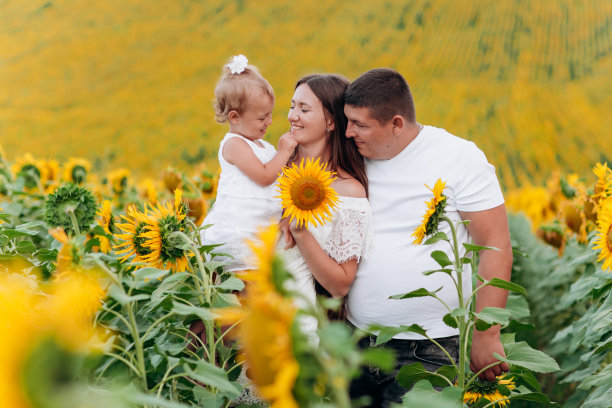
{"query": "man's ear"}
pixel 398 122
pixel 233 116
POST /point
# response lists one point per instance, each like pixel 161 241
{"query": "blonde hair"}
pixel 233 91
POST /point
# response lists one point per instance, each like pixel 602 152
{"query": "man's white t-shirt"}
pixel 398 197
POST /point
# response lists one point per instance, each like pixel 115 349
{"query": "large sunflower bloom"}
pixel 435 209
pixel 160 224
pixel 133 242
pixel 603 241
pixel 489 390
pixel 306 192
pixel 265 328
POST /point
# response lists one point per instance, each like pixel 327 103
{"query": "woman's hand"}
pixel 284 227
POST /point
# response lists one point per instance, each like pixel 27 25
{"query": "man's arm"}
pixel 490 228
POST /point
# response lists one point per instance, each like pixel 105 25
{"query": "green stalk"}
pixel 140 361
pixel 462 323
pixel 75 223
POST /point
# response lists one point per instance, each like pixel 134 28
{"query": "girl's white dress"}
pixel 240 209
pixel 347 236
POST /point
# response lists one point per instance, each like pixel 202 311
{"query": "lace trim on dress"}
pixel 351 235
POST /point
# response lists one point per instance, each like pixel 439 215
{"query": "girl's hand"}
pixel 287 142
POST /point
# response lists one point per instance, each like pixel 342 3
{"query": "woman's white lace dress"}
pixel 347 236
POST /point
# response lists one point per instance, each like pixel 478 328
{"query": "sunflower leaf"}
pixel 477 248
pixel 386 333
pixel 421 292
pixel 522 355
pixel 423 395
pixel 430 272
pixel 500 283
pixel 441 258
pixel 438 236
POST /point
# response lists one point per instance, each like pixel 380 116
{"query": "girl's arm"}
pixel 237 152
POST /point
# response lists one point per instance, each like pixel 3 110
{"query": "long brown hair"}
pixel 329 89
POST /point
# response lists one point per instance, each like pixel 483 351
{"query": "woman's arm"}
pixel 334 277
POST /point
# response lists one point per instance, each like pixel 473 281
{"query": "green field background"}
pixel 130 82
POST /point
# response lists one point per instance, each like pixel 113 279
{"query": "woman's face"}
pixel 307 116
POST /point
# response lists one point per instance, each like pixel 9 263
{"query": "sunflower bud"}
pixel 70 198
pixel 172 179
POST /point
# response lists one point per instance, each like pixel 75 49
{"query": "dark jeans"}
pixel 381 386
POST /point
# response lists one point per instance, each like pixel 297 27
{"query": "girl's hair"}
pixel 234 90
pixel 329 89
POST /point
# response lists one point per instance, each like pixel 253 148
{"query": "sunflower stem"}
pixel 138 345
pixel 461 320
pixel 75 222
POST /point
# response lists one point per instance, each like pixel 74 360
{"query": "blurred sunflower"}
pixel 148 190
pixel 162 221
pixel 30 169
pixel 265 329
pixel 306 192
pixel 603 239
pixel 533 201
pixel 107 222
pixel 51 175
pixel 76 170
pixel 133 242
pixel 435 209
pixel 172 179
pixel 206 181
pixel 197 209
pixel 603 186
pixel 65 311
pixel 489 390
pixel 119 181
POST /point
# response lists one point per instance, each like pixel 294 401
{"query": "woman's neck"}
pixel 317 150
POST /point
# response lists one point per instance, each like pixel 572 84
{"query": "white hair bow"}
pixel 238 64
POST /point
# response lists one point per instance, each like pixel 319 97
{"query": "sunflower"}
pixel 76 170
pixel 172 179
pixel 119 180
pixel 159 225
pixel 603 186
pixel 148 190
pixel 133 242
pixel 489 390
pixel 265 328
pixel 604 234
pixel 533 202
pixel 71 198
pixel 435 209
pixel 107 222
pixel 306 192
pixel 30 169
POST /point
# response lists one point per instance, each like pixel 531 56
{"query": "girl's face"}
pixel 254 121
pixel 307 116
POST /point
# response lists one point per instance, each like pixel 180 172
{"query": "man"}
pixel 402 156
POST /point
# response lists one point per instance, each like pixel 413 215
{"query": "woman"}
pixel 329 253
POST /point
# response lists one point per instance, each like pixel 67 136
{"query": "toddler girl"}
pixel 249 165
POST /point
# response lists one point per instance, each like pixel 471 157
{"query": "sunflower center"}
pixel 307 193
pixel 609 238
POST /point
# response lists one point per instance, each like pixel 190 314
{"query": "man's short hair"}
pixel 385 92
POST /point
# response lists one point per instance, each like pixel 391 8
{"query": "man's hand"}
pixel 484 344
pixel 283 225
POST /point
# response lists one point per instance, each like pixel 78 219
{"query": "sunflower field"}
pixel 108 167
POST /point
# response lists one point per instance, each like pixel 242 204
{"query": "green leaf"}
pixel 410 374
pixel 477 248
pixel 26 247
pixel 379 357
pixel 231 283
pixel 537 397
pixel 30 228
pixel 45 254
pixel 386 333
pixel 500 283
pixel 522 355
pixel 441 258
pixel 421 292
pixel 603 378
pixel 430 272
pixel 450 321
pixel 423 395
pixel 494 315
pixel 11 233
pixel 187 310
pixel 147 274
pixel 120 296
pixel 458 312
pixel 438 236
pixel 214 376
